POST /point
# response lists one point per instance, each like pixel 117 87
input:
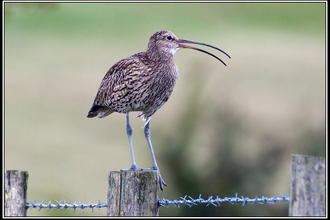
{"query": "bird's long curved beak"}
pixel 180 41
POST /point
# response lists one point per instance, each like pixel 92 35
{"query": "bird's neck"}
pixel 162 64
pixel 160 56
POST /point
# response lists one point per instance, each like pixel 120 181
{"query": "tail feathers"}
pixel 100 111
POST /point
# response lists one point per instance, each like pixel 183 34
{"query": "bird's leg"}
pixel 129 134
pixel 154 163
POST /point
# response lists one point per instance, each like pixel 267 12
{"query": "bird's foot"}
pixel 160 180
pixel 133 168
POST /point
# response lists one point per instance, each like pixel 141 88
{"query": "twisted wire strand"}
pixel 217 201
pixel 166 202
pixel 65 205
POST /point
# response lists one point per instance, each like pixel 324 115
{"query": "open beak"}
pixel 208 45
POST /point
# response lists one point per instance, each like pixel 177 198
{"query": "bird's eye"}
pixel 169 38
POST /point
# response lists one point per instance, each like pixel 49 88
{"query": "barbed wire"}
pixel 165 202
pixel 64 206
pixel 217 201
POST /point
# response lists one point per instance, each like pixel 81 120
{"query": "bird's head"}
pixel 165 44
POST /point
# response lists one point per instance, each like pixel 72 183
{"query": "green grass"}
pixel 122 20
pixel 224 129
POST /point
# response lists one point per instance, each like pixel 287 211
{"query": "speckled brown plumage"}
pixel 135 84
pixel 142 82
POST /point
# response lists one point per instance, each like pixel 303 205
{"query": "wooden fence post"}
pixel 15 192
pixel 133 193
pixel 307 190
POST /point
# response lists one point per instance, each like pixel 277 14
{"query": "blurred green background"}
pixel 224 129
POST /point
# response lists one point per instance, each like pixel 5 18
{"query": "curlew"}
pixel 142 82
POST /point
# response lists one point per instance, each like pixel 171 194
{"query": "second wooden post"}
pixel 133 193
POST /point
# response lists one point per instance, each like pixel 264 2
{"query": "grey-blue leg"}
pixel 129 134
pixel 154 165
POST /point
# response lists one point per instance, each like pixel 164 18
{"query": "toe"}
pixel 161 182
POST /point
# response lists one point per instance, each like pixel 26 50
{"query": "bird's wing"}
pixel 117 82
